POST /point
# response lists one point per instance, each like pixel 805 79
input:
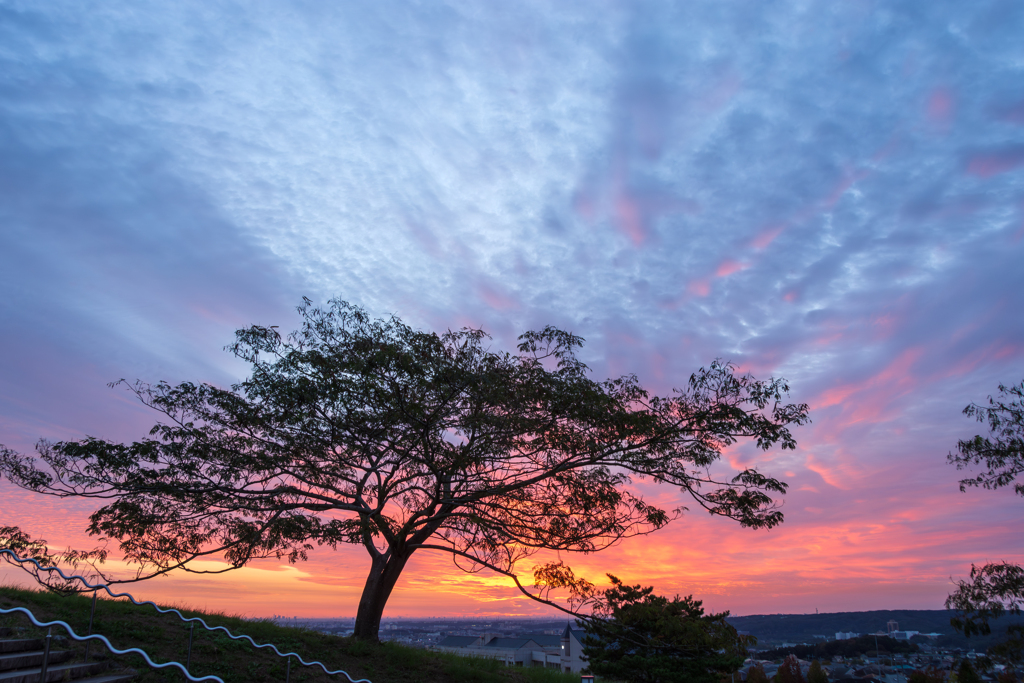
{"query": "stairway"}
pixel 21 661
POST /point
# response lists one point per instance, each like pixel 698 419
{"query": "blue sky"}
pixel 832 192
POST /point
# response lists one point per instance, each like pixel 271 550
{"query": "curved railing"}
pixel 102 639
pixel 192 620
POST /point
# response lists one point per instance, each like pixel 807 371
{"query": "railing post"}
pixel 92 615
pixel 46 656
pixel 191 631
pixel 288 671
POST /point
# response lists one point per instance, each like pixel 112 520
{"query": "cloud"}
pixel 825 192
pixel 988 164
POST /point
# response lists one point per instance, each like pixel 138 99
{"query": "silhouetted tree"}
pixel 816 674
pixel 789 671
pixel 929 675
pixel 27 548
pixel 365 431
pixel 994 588
pixel 639 637
pixel 1007 676
pixel 965 673
pixel 756 674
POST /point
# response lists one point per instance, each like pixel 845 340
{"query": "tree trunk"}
pixel 384 573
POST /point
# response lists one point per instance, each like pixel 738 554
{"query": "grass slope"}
pixel 165 638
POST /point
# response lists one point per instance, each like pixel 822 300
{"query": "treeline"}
pixel 771 629
pixel 854 647
pixel 798 628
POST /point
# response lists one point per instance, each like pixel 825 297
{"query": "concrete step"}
pixel 54 674
pixel 21 660
pixel 22 645
pixel 119 677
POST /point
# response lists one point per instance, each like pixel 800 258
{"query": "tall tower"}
pixel 892 627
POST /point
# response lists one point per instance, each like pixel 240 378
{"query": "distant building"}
pixel 572 649
pixel 847 636
pixel 903 635
pixel 563 652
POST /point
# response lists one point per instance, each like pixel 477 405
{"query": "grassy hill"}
pixel 164 637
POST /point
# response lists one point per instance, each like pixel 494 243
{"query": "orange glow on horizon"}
pixel 821 557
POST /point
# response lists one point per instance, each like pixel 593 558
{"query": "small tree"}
pixel 994 588
pixel 789 671
pixel 1006 676
pixel 640 637
pixel 965 673
pixel 363 431
pixel 816 674
pixel 929 675
pixel 756 674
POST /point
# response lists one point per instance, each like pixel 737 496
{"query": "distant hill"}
pixel 772 629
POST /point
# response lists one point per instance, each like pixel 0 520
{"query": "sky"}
pixel 827 191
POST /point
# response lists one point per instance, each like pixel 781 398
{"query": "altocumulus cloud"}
pixel 830 191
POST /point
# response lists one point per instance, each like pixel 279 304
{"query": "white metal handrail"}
pixel 188 620
pixel 102 639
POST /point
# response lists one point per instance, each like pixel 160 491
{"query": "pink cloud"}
pixel 884 325
pixel 699 287
pixel 898 371
pixel 721 94
pixel 899 555
pixel 767 236
pixel 425 237
pixel 829 474
pixel 997 350
pixel 844 184
pixel 634 210
pixel 834 396
pixel 828 339
pixel 941 107
pixel 1012 114
pixel 986 165
pixel 584 205
pixel 729 266
pixel 630 218
pixel 887 149
pixel 892 381
pixel 496 299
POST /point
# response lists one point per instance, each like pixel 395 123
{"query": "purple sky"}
pixel 831 191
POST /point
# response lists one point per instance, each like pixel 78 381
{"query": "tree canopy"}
pixel 816 674
pixel 640 637
pixel 366 431
pixel 994 588
pixel 1001 453
pixel 756 674
pixel 851 647
pixel 789 671
pixel 25 547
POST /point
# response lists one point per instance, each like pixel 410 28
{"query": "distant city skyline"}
pixel 827 192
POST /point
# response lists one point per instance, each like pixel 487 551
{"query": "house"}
pixel 563 652
pixel 511 651
pixel 450 642
pixel 572 649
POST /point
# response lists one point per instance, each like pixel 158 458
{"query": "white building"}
pixel 564 652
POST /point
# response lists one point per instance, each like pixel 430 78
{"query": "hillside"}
pixel 165 638
pixel 773 629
